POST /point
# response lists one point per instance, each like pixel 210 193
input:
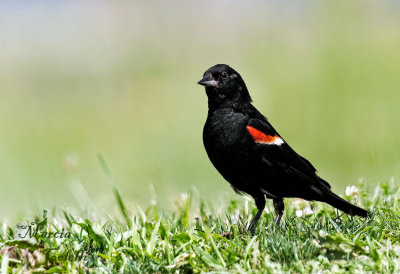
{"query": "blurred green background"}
pixel 118 78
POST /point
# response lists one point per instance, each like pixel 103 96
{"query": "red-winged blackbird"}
pixel 251 155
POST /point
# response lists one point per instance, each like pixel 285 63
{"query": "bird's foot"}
pixel 252 227
pixel 278 219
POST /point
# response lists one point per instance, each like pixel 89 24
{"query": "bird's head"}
pixel 223 84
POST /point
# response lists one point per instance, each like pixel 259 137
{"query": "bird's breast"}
pixel 224 129
pixel 224 138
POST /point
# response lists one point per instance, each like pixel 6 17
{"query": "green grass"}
pixel 200 236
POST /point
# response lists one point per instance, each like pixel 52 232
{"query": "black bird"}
pixel 251 155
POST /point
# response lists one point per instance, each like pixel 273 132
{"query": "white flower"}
pixel 323 234
pixel 307 211
pixel 352 191
pixel 71 162
pixel 304 212
pixel 302 207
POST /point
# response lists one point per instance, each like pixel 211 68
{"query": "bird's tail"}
pixel 335 201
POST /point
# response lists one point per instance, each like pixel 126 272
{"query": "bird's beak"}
pixel 208 81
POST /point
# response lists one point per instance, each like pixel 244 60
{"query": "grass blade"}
pixel 153 238
pixel 117 195
pixel 4 263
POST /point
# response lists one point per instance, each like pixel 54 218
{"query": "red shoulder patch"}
pixel 262 138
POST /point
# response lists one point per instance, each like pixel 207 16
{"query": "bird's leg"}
pixel 260 203
pixel 279 207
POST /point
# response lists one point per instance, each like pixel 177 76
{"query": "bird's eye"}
pixel 224 75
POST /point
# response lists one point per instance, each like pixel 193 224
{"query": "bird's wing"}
pixel 273 150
